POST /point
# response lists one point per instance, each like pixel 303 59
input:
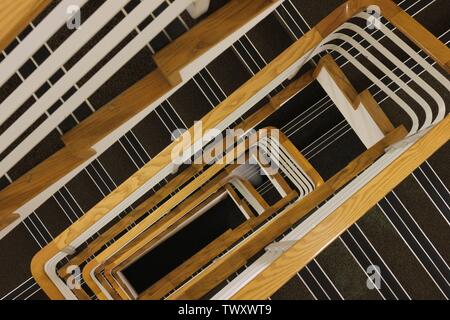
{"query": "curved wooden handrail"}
pixel 32 183
pixel 344 96
pixel 307 248
pixel 180 274
pixel 148 238
pixel 165 229
pixel 130 218
pixel 276 102
pixel 112 276
pixel 129 254
pixel 217 272
pixel 143 233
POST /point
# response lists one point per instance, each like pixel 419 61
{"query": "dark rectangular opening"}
pixel 184 244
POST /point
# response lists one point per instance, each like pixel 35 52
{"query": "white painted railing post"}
pixel 198 8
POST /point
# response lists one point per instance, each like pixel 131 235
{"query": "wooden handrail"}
pixel 109 117
pixel 256 118
pixel 133 216
pixel 207 34
pixel 307 248
pixel 128 254
pixel 327 62
pixel 112 275
pixel 217 246
pixel 147 239
pixel 163 159
pixel 8 219
pixel 241 203
pixel 134 235
pixel 118 256
pixel 344 95
pixel 423 38
pixel 183 51
pixel 349 9
pixel 32 183
pixel 15 16
pixel 300 159
pixel 137 239
pixel 78 143
pixel 226 265
pixel 255 194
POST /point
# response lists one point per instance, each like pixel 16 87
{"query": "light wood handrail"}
pixel 366 99
pixel 112 275
pixel 300 159
pixel 15 16
pixel 219 245
pixel 241 203
pixel 423 38
pixel 226 265
pixel 246 125
pixel 129 103
pixel 204 36
pixel 233 102
pixel 142 233
pixel 37 179
pixel 338 75
pixel 147 239
pixel 128 253
pixel 255 194
pixel 344 95
pixel 308 247
pixel 133 216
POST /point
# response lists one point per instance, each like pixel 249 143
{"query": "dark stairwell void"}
pixel 183 244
